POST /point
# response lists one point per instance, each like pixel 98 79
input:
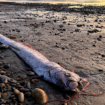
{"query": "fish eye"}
pixel 68 74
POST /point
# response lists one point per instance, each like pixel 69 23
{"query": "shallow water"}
pixel 84 2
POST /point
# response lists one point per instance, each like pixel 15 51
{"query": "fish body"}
pixel 50 71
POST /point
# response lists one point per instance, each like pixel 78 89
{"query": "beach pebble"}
pixel 100 70
pixel 23 40
pixel 2 72
pixel 5 21
pixel 103 55
pixel 1 57
pixel 17 30
pixel 0 94
pixel 100 36
pixel 74 103
pixel 30 73
pixel 39 96
pixel 5 80
pixel 6 66
pixel 2 102
pixel 3 46
pixel 23 83
pixel 65 103
pixel 21 97
pixel 13 37
pixel 28 94
pixel 19 86
pixel 24 90
pixel 3 95
pixel 8 102
pixel 2 85
pixel 13 85
pixel 34 81
pixel 27 85
pixel 16 91
pixel 8 87
pixel 1 63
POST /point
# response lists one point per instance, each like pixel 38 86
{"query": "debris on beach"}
pixel 50 71
pixel 39 96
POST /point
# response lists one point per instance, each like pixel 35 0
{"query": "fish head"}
pixel 73 81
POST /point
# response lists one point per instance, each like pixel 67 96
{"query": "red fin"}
pixel 72 71
pixel 28 45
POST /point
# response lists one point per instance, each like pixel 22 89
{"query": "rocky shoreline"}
pixel 84 9
pixel 71 37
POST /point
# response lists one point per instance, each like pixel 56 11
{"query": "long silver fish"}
pixel 50 71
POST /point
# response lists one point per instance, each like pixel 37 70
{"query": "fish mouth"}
pixel 75 86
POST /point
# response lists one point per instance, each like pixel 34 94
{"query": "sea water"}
pixel 84 2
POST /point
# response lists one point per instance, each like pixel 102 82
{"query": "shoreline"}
pixel 86 9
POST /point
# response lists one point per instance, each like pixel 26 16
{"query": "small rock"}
pixel 39 96
pixel 19 86
pixel 34 81
pixel 24 90
pixel 3 46
pixel 12 84
pixel 13 37
pixel 23 40
pixel 100 36
pixel 3 95
pixel 100 70
pixel 6 66
pixel 13 81
pixel 27 85
pixel 6 80
pixel 94 45
pixel 2 102
pixel 8 102
pixel 65 103
pixel 99 39
pixel 0 94
pixel 5 21
pixel 77 30
pixel 16 91
pixel 28 94
pixel 1 57
pixel 17 30
pixel 74 103
pixel 30 73
pixel 8 87
pixel 21 97
pixel 23 83
pixel 103 55
pixel 2 85
pixel 2 72
pixel 1 63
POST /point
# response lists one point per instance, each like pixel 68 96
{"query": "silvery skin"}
pixel 50 71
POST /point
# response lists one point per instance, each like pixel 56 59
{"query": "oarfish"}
pixel 50 71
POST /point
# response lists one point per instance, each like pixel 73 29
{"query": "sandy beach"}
pixel 72 37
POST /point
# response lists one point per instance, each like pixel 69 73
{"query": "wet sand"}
pixel 73 38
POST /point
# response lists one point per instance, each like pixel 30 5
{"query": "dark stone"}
pixel 100 70
pixel 27 85
pixel 6 66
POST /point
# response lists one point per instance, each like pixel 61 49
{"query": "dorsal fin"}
pixel 72 71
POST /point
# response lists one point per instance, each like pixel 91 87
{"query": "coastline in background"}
pixel 85 2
